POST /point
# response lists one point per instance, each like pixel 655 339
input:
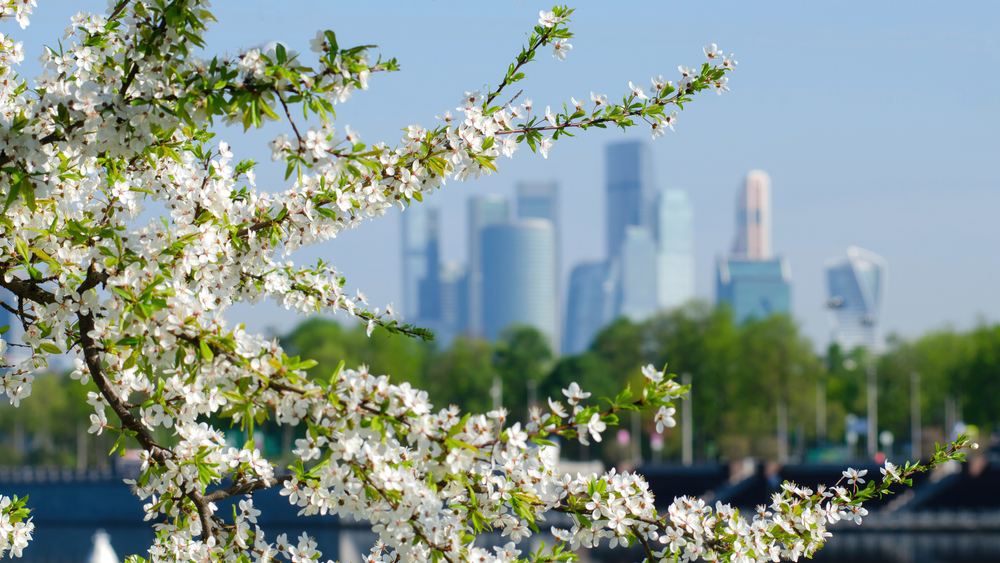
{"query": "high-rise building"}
pixel 753 218
pixel 591 304
pixel 675 259
pixel 421 282
pixel 857 287
pixel 454 302
pixel 484 211
pixel 518 280
pixel 752 281
pixel 638 287
pixel 754 288
pixel 538 200
pixel 631 195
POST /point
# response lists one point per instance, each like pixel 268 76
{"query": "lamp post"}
pixel 916 437
pixel 872 413
pixel 687 435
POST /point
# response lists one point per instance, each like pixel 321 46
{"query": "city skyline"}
pixel 857 166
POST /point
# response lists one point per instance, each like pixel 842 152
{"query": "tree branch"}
pixel 92 357
pixel 245 488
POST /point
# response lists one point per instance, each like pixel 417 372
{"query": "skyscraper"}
pixel 484 211
pixel 675 259
pixel 454 302
pixel 751 280
pixel 754 288
pixel 637 299
pixel 591 304
pixel 421 282
pixel 631 193
pixel 857 287
pixel 538 200
pixel 518 280
pixel 753 218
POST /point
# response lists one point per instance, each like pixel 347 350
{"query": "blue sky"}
pixel 878 125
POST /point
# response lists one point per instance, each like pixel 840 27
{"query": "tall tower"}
pixel 753 218
pixel 540 200
pixel 675 259
pixel 857 287
pixel 590 305
pixel 421 281
pixel 484 211
pixel 519 283
pixel 751 279
pixel 631 195
pixel 637 299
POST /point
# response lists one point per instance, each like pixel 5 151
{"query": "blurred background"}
pixel 814 251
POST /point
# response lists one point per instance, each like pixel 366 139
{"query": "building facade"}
pixel 638 288
pixel 484 212
pixel 631 192
pixel 754 288
pixel 519 282
pixel 591 304
pixel 421 250
pixel 753 218
pixel 675 257
pixel 857 287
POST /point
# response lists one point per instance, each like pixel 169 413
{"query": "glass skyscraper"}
pixel 631 195
pixel 637 299
pixel 421 281
pixel 518 280
pixel 675 258
pixel 857 287
pixel 591 304
pixel 484 211
pixel 751 280
pixel 753 218
pixel 754 288
pixel 538 200
pixel 454 302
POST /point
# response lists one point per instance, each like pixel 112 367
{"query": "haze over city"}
pixel 877 125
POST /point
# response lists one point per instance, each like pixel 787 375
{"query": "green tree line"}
pixel 740 376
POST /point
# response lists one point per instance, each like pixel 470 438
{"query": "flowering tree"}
pixel 120 117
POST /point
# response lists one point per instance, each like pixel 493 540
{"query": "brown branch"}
pixel 92 357
pixel 245 488
pixel 27 290
pixel 645 545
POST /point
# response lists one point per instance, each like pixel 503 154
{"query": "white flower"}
pixel 890 471
pixel 652 374
pixel 558 409
pixel 544 145
pixel 595 426
pixel 637 91
pixel 559 49
pixel 854 476
pixel 665 419
pixel 713 52
pixel 574 394
pixel 548 19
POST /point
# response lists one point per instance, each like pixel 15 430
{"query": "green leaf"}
pixel 50 348
pixel 206 351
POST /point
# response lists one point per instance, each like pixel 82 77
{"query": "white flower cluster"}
pixel 15 531
pixel 121 117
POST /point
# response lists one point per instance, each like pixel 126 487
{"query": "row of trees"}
pixel 740 375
